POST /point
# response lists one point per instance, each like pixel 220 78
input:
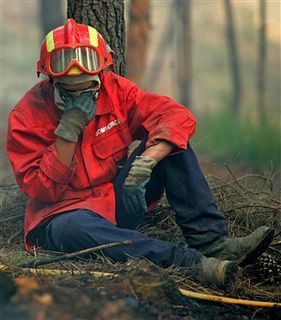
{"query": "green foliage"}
pixel 226 137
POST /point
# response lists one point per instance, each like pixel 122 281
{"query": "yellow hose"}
pixel 57 272
pixel 187 293
pixel 211 297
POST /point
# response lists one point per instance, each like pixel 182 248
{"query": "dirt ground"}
pixel 138 289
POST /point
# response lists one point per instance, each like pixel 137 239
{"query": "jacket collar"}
pixel 104 102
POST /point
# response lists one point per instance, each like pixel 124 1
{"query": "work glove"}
pixel 134 186
pixel 78 111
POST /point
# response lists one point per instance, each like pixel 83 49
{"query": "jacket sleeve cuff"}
pixel 171 136
pixel 56 170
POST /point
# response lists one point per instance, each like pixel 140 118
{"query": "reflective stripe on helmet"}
pixel 93 36
pixel 50 43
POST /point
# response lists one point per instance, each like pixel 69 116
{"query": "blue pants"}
pixel 188 194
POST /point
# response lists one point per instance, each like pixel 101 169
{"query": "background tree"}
pixel 51 15
pixel 137 37
pixel 233 57
pixel 183 50
pixel 261 66
pixel 162 48
pixel 107 16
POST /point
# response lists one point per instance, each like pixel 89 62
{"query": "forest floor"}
pixel 99 289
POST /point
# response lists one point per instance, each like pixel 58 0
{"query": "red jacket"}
pixel 123 112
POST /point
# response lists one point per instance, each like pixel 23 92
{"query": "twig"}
pixel 248 190
pixel 274 250
pixel 67 256
pixel 237 180
pixel 255 313
pixel 13 185
pixel 253 175
pixel 259 176
pixel 224 183
pixel 276 244
pixel 278 234
pixel 13 236
pixel 253 206
pixel 233 176
pixel 11 218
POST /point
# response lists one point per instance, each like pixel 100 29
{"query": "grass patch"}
pixel 226 137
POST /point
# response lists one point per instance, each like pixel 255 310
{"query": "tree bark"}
pixel 138 32
pixel 184 50
pixel 233 57
pixel 107 16
pixel 262 53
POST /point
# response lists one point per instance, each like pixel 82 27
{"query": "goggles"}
pixel 63 59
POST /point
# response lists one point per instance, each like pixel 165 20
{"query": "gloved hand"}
pixel 134 186
pixel 79 110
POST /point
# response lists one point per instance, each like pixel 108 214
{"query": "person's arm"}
pixel 65 150
pixel 39 170
pixel 161 117
pixel 159 151
pixel 44 169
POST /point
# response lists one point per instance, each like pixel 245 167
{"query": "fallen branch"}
pixel 34 264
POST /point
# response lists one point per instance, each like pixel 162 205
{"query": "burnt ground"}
pixel 138 289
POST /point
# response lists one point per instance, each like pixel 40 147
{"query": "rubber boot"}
pixel 221 274
pixel 242 250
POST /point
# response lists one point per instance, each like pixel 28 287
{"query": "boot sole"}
pixel 258 250
pixel 229 274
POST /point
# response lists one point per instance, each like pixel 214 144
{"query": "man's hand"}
pixel 134 186
pixel 78 112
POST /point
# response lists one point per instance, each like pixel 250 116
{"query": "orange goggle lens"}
pixel 85 56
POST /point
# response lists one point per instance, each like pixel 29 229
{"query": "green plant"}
pixel 226 137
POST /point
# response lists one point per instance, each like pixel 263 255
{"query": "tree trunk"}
pixel 183 51
pixel 51 15
pixel 167 32
pixel 233 57
pixel 261 74
pixel 138 31
pixel 107 16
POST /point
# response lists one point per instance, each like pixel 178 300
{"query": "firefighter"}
pixel 68 142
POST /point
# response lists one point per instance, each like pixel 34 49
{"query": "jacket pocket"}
pixel 108 151
pixel 114 145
